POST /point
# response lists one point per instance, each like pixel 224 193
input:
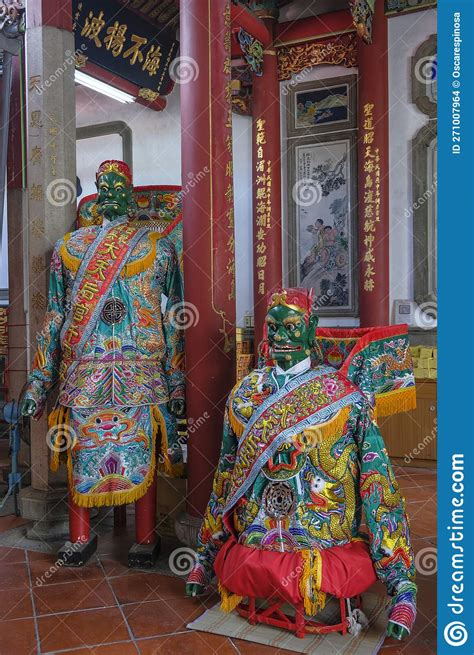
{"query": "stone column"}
pixel 373 208
pixel 208 236
pixel 51 189
pixel 16 210
pixel 266 171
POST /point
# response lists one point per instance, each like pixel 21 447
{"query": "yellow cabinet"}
pixel 411 437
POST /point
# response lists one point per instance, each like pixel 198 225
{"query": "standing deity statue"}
pixel 110 341
pixel 302 460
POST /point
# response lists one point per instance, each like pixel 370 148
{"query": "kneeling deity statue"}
pixel 302 461
pixel 110 341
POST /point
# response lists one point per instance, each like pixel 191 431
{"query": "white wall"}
pixel 156 138
pixel 157 160
pixel 405 33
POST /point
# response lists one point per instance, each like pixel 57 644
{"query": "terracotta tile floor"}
pixel 106 609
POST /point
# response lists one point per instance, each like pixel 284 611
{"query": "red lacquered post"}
pixel 79 522
pixel 145 517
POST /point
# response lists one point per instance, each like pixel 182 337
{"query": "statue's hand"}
pixel 396 631
pixel 194 589
pixel 177 407
pixel 27 407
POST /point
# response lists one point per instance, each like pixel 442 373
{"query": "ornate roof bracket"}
pixel 12 26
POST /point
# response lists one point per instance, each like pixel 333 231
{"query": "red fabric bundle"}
pixel 346 571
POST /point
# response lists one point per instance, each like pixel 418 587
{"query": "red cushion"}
pixel 346 571
pixel 259 573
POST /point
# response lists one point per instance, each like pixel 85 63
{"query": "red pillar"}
pixel 208 234
pixel 374 289
pixel 266 165
pixel 79 522
pixel 145 516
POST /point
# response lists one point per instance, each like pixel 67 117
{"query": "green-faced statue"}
pixel 114 190
pixel 290 334
pixel 301 455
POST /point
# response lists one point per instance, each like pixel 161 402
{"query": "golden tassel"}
pixel 330 429
pixel 235 424
pixel 229 601
pixel 392 402
pixel 71 262
pixel 59 416
pixel 310 582
pixel 144 262
pixel 159 427
pixel 113 497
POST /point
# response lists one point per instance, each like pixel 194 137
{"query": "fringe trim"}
pixel 59 416
pixel 72 263
pixel 112 497
pixel 235 424
pixel 329 429
pixel 146 261
pixel 159 428
pixel 310 582
pixel 393 402
pixel 229 601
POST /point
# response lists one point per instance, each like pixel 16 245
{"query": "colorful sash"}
pixel 310 399
pixel 99 269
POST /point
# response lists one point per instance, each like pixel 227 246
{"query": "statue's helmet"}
pixel 115 166
pixel 296 298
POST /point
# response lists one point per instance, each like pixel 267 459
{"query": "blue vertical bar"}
pixel 455 327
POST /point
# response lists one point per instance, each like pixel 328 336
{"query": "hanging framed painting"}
pixel 322 220
pixel 322 106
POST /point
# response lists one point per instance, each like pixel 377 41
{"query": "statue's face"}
pixel 114 195
pixel 289 336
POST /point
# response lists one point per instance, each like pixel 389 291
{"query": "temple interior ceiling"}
pixel 166 12
pixel 305 8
